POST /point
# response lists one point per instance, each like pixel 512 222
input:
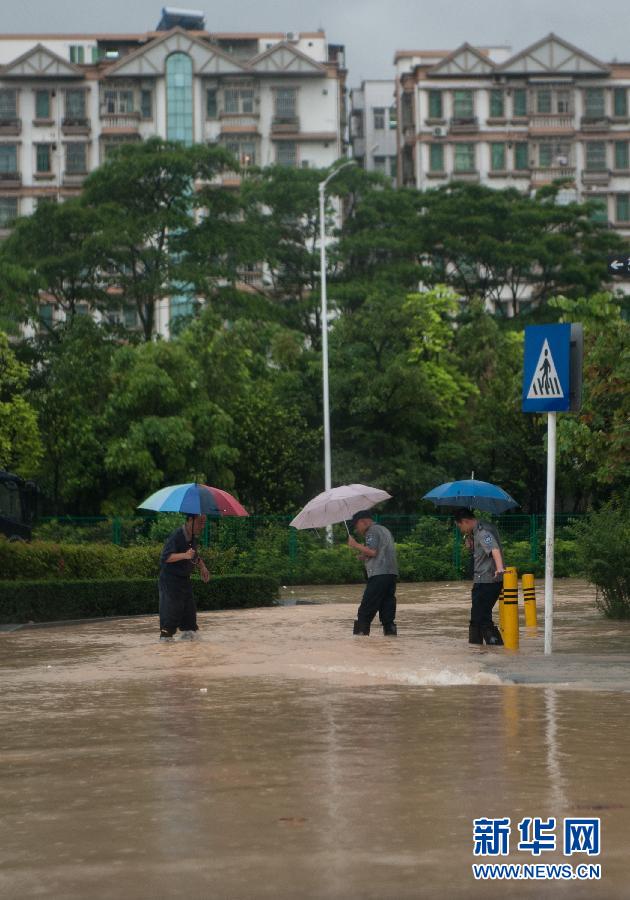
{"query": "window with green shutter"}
pixel 543 100
pixel 463 104
pixel 595 156
pixel 42 104
pixel 496 105
pixel 594 103
pixel 520 102
pixel 464 158
pixel 435 105
pixel 436 157
pixel 620 97
pixel 146 103
pixel 599 210
pixel 43 158
pixel 545 155
pixel 621 155
pixel 211 104
pixel 623 207
pixel 497 157
pixel 521 156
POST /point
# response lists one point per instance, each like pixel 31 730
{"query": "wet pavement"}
pixel 280 757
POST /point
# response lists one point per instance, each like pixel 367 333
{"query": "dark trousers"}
pixel 379 597
pixel 484 596
pixel 177 606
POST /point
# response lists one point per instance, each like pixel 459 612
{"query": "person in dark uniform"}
pixel 379 556
pixel 178 560
pixel 482 539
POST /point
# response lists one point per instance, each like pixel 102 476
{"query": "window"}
pixel 75 104
pixel 118 101
pixel 497 157
pixel 463 104
pixel 436 157
pixel 543 100
pixel 393 166
pixel 146 104
pixel 599 210
pixel 379 118
pixel 179 98
pixel 594 103
pixel 622 205
pixel 8 104
pixel 520 102
pixel 46 314
pixel 286 153
pixel 380 164
pixel 244 151
pixel 238 100
pixel 464 157
pixel 286 103
pixel 42 104
pixel 563 101
pixel 393 118
pixel 621 155
pixel 77 53
pixel 620 100
pixel 211 103
pixel 496 105
pixel 595 156
pixel 545 155
pixel 521 156
pixel 8 211
pixel 8 159
pixel 43 158
pixel 435 105
pixel 76 158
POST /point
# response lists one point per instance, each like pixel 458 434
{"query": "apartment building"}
pixel 517 120
pixel 373 126
pixel 66 100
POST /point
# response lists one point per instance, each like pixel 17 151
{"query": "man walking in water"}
pixel 379 556
pixel 483 539
pixel 178 561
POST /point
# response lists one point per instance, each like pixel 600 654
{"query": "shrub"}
pixel 602 543
pixel 54 600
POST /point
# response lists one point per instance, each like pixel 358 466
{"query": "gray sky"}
pixel 372 30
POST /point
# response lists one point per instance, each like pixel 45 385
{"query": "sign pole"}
pixel 549 528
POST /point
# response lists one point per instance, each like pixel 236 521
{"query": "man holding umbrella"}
pixel 178 561
pixel 482 539
pixel 379 556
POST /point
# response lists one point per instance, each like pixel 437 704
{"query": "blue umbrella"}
pixel 472 494
pixel 192 499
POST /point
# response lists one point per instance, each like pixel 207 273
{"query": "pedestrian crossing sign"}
pixel 546 378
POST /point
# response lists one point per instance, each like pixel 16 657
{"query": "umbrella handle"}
pixel 347 529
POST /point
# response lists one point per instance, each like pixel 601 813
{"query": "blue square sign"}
pixel 546 380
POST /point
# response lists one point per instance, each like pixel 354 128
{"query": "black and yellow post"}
pixel 529 600
pixel 510 608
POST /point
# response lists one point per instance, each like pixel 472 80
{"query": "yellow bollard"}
pixel 501 613
pixel 529 600
pixel 510 608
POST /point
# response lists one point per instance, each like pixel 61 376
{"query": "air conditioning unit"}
pixel 292 37
pixel 439 131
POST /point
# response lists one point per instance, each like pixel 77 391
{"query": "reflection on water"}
pixel 281 757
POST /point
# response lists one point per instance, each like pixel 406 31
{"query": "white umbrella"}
pixel 337 505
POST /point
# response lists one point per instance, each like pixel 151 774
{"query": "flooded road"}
pixel 280 757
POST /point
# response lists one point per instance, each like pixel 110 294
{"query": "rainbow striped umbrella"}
pixel 194 500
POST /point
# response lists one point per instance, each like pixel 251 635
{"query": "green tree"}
pixel 20 444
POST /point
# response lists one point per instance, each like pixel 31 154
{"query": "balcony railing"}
pixel 595 123
pixel 287 124
pixel 463 124
pixel 10 126
pixel 75 125
pixel 547 174
pixel 73 179
pixel 560 122
pixel 596 176
pixel 123 121
pixel 239 121
pixel 10 179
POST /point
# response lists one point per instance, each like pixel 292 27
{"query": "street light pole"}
pixel 324 322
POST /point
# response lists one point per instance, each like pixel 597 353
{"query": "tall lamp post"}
pixel 324 318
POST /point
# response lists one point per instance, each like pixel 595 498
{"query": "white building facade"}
pixel 487 116
pixel 373 126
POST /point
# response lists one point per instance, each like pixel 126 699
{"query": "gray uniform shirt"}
pixel 379 538
pixel 485 540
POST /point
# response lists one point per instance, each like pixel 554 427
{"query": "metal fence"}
pixel 525 532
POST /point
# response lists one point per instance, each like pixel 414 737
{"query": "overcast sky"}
pixel 372 30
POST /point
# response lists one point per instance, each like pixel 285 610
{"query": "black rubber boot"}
pixel 359 628
pixel 492 635
pixel 390 629
pixel 475 634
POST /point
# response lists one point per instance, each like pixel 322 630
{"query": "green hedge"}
pixel 54 600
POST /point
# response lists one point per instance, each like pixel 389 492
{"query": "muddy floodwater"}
pixel 278 756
